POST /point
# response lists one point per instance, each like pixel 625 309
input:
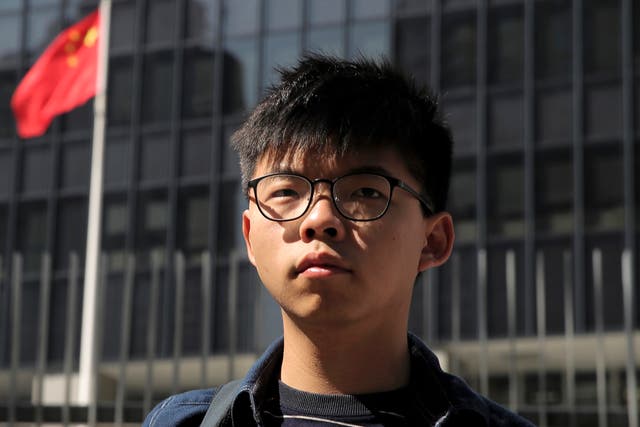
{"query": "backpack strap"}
pixel 221 404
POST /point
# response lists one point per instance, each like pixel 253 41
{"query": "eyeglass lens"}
pixel 359 196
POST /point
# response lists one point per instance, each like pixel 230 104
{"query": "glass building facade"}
pixel 544 101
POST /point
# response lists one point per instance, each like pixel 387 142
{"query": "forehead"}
pixel 331 164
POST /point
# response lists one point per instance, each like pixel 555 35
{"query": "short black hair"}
pixel 349 105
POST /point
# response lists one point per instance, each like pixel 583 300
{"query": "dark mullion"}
pixel 168 302
pixel 215 164
pixel 529 165
pixel 578 166
pixel 17 148
pixel 481 187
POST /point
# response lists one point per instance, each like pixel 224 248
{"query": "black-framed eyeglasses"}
pixel 357 196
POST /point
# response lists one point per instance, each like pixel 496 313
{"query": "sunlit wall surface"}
pixel 544 101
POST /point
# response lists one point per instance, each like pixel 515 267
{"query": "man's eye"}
pixel 284 192
pixel 367 193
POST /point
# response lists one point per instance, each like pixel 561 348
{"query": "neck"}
pixel 350 360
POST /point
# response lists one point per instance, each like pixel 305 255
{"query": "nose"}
pixel 322 220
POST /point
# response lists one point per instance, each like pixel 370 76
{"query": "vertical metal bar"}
pixel 455 311
pixel 481 122
pixel 15 335
pixel 205 316
pixel 629 315
pixel 152 319
pixel 43 334
pixel 510 267
pixel 125 338
pixel 541 320
pixel 232 309
pixel 569 334
pixel 178 319
pixel 94 393
pixel 70 329
pixel 482 322
pixel 601 369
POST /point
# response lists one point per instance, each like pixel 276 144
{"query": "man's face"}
pixel 323 268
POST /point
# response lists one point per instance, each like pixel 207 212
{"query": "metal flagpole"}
pixel 88 358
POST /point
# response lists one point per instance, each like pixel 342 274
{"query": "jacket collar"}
pixel 438 395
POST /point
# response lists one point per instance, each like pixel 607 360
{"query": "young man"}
pixel 346 167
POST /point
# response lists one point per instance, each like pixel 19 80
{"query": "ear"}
pixel 438 241
pixel 246 228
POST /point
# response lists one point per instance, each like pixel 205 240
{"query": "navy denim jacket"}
pixel 437 395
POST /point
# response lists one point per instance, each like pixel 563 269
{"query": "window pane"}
pixel 553 116
pixel 462 201
pixel 10 5
pixel 230 161
pixel 232 203
pixel 458 50
pixel 196 153
pixel 363 9
pixel 506 122
pixel 193 223
pixel 161 21
pixel 120 91
pixel 6 172
pixel 602 40
pixel 240 17
pixel 32 232
pixel 240 77
pixel 506 197
pixel 123 18
pixel 117 161
pixel 157 93
pixel 283 14
pixel 326 11
pixel 71 231
pixel 7 121
pixel 9 38
pixel 554 193
pixel 604 189
pixel 36 169
pixel 154 158
pixel 370 39
pixel 151 224
pixel 42 27
pixel 3 234
pixel 114 228
pixel 76 161
pixel 326 40
pixel 604 111
pixel 197 98
pixel 461 115
pixel 281 50
pixel 80 118
pixel 553 50
pixel 413 47
pixel 506 38
pixel 202 20
pixel 412 6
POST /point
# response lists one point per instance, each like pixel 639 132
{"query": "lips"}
pixel 321 265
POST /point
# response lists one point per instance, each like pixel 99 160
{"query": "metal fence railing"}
pixel 167 324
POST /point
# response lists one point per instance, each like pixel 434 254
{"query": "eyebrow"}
pixel 360 169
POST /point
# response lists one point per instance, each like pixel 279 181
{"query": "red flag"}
pixel 63 78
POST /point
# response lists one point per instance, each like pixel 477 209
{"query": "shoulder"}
pixel 185 409
pixel 494 414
